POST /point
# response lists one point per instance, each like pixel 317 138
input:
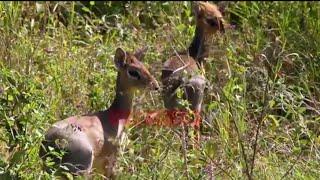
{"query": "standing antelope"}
pixel 183 69
pixel 86 139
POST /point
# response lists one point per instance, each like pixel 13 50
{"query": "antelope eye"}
pixel 134 74
pixel 212 22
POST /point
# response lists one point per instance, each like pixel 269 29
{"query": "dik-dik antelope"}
pixel 88 139
pixel 184 69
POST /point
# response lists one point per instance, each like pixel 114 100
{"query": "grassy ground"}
pixel 262 104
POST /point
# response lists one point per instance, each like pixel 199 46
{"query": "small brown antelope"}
pixel 86 139
pixel 182 69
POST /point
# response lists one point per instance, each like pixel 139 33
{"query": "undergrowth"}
pixel 262 105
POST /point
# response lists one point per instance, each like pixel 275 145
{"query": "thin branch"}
pixel 184 148
pixel 218 166
pixel 291 167
pixel 241 145
pixel 260 120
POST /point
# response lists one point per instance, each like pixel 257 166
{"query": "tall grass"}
pixel 262 105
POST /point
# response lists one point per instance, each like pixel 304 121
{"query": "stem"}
pixel 260 120
pixel 184 147
pixel 291 167
pixel 241 145
pixel 218 166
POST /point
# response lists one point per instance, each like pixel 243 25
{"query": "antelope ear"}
pixel 222 6
pixel 196 8
pixel 139 54
pixel 120 58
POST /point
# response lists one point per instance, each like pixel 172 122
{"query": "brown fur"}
pixel 90 139
pixel 183 70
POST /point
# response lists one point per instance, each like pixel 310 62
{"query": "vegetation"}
pixel 262 105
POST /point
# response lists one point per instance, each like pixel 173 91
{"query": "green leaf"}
pixel 86 9
pixel 17 157
pixel 10 97
pixel 275 122
pixel 272 103
pixel 181 27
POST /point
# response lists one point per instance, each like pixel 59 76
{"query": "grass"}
pixel 262 105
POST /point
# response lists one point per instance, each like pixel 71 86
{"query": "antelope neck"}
pixel 121 107
pixel 198 48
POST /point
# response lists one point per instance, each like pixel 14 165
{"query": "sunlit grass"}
pixel 56 61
